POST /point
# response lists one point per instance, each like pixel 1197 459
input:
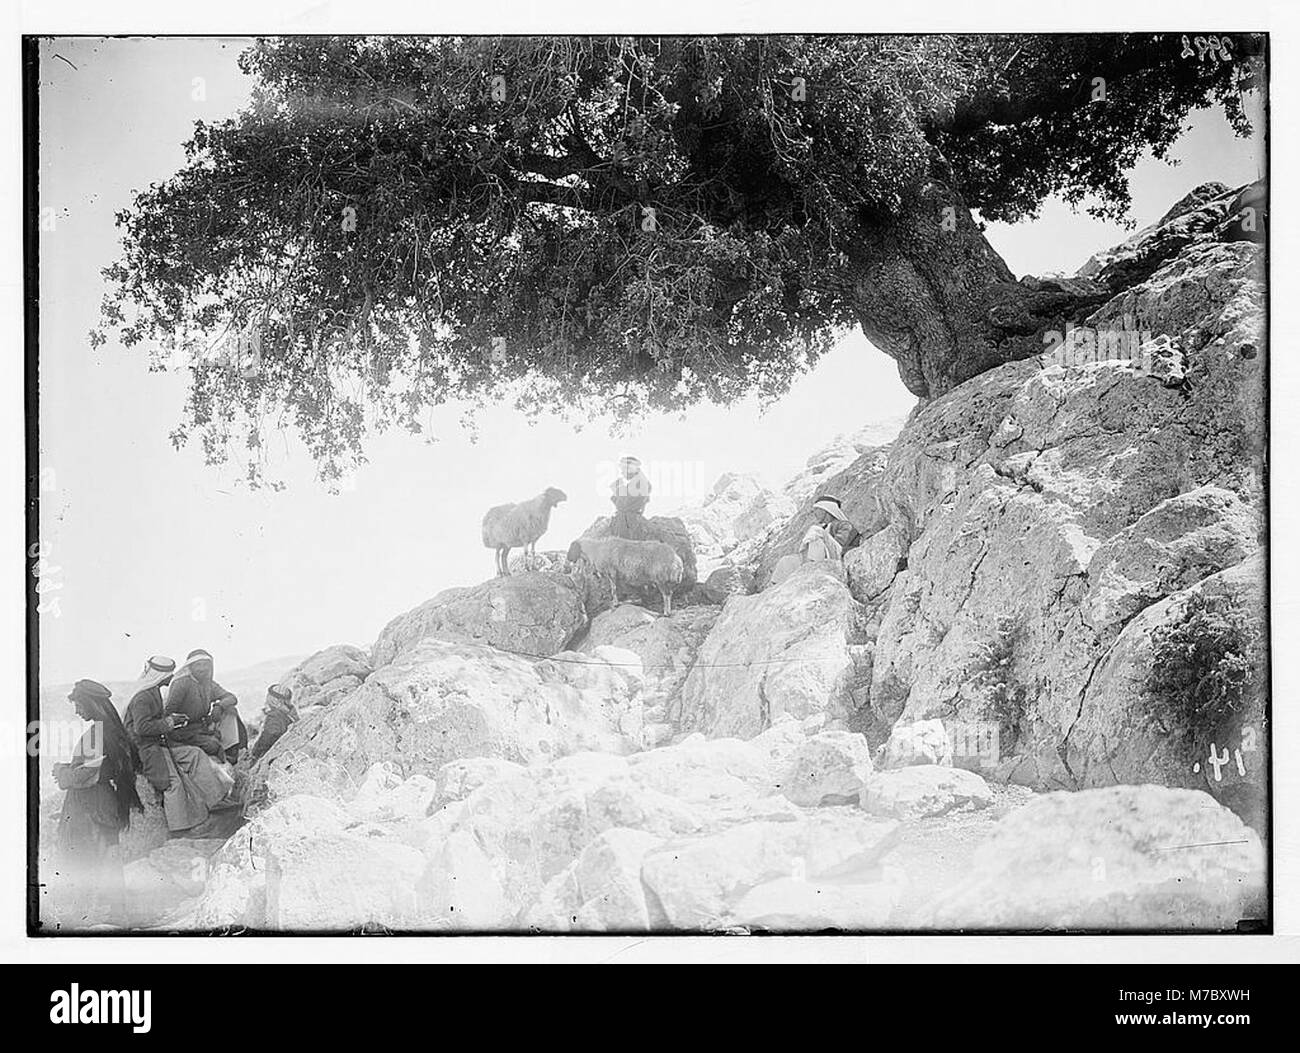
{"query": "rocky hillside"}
pixel 1041 673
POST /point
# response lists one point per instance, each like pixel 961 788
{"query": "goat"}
pixel 519 525
pixel 636 563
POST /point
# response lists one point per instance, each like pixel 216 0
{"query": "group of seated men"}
pixel 190 740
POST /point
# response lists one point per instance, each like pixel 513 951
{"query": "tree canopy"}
pixel 635 223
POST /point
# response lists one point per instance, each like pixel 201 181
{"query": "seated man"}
pixel 146 723
pixel 829 514
pixel 212 721
pixel 188 781
pixel 278 715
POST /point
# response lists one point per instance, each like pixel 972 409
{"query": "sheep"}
pixel 633 563
pixel 511 526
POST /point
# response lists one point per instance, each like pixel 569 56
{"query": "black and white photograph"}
pixel 656 484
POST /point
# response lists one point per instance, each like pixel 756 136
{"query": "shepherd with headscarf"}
pixel 146 722
pixel 629 493
pixel 100 780
pixel 187 780
pixel 277 716
pixel 211 720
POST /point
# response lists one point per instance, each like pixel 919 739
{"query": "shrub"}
pixel 1005 700
pixel 1205 668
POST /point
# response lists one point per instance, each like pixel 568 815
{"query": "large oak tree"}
pixel 395 222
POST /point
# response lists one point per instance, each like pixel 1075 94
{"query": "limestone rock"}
pixel 1122 857
pixel 922 742
pixel 831 767
pixel 444 701
pixel 923 790
pixel 666 646
pixel 457 779
pixel 738 507
pixel 327 676
pixel 873 564
pixel 534 614
pixel 696 882
pixel 798 905
pixel 727 581
pixel 342 882
pixel 601 890
pixel 785 650
pixel 234 894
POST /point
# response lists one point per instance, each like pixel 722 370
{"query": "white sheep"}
pixel 635 563
pixel 512 526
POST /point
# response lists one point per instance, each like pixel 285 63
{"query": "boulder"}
pixel 1116 858
pixel 342 882
pixel 727 581
pixel 799 905
pixel 924 790
pixel 696 882
pixel 666 646
pixel 459 889
pixel 601 890
pixel 534 614
pixel 457 779
pixel 161 884
pixel 444 701
pixel 875 562
pixel 234 893
pixel 785 650
pixel 831 767
pixel 532 825
pixel 327 676
pixel 385 797
pixel 922 742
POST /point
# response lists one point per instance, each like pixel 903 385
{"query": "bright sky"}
pixel 156 552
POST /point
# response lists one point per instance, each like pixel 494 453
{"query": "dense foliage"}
pixel 397 222
pixel 1205 669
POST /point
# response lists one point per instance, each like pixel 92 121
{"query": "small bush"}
pixel 1205 668
pixel 1005 700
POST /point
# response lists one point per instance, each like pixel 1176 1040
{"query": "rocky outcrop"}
pixel 1048 505
pixel 328 676
pixel 1123 857
pixel 443 701
pixel 666 646
pixel 923 790
pixel 534 614
pixel 788 650
pixel 738 508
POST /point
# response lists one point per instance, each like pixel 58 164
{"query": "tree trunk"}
pixel 933 294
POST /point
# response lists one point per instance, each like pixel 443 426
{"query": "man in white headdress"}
pixel 212 719
pixel 146 723
pixel 189 782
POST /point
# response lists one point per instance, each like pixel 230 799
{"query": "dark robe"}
pixel 194 699
pixel 844 532
pixel 629 497
pixel 276 724
pixel 147 729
